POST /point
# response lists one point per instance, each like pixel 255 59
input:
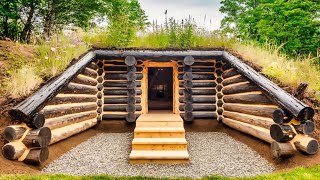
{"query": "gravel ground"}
pixel 211 153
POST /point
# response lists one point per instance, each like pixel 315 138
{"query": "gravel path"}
pixel 211 153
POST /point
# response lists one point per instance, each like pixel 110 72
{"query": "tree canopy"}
pixel 21 18
pixel 293 24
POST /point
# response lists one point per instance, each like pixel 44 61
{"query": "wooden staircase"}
pixel 159 138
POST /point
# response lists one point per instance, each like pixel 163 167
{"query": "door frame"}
pixel 145 84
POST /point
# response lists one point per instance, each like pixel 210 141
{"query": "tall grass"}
pixel 50 59
pixel 181 35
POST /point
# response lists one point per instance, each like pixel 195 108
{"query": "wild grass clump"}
pixel 181 35
pixel 50 59
pixel 285 70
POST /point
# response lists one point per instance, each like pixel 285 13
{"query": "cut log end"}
pixel 9 152
pixel 311 147
pixel 37 156
pixel 130 60
pixel 188 60
pixel 281 133
pixel 306 114
pixel 37 121
pixel 282 150
pixel 13 132
pixel 278 116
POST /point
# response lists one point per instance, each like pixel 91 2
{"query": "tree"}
pixel 9 19
pixel 291 23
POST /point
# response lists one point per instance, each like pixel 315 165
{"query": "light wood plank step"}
pixel 159 141
pixel 159 129
pixel 159 124
pixel 160 117
pixel 159 155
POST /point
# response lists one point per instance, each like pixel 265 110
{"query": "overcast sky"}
pixel 181 9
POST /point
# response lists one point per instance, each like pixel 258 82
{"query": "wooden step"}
pixel 159 124
pixel 160 117
pixel 159 144
pixel 159 155
pixel 159 132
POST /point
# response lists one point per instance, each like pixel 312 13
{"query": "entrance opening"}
pixel 160 88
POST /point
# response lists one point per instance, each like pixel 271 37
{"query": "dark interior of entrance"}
pixel 160 89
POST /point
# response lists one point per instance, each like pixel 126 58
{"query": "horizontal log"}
pixel 119 68
pixel 226 66
pixel 200 107
pixel 65 120
pixel 306 144
pixel 199 77
pixel 25 110
pixel 200 84
pixel 37 138
pixel 72 98
pixel 249 119
pixel 239 88
pixel 13 150
pixel 37 156
pixel 80 79
pixel 158 56
pixel 229 73
pixel 14 132
pixel 119 100
pixel 73 88
pixel 119 92
pixel 109 76
pixel 282 133
pixel 200 91
pixel 297 108
pixel 70 130
pixel 60 110
pixel 119 84
pixel 199 63
pixel 121 108
pixel 107 116
pixel 202 99
pixel 258 132
pixel 282 150
pixel 202 115
pixel 90 73
pixel 263 111
pixel 181 69
pixel 92 66
pixel 247 98
pixel 110 63
pixel 234 80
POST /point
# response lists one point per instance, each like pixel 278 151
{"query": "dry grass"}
pixel 286 71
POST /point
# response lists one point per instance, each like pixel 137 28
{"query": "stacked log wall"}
pixel 247 108
pixel 116 90
pixel 203 89
pixel 72 110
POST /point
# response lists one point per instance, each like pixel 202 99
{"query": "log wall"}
pixel 72 110
pixel 121 90
pixel 206 86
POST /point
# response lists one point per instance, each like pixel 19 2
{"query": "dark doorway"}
pixel 160 88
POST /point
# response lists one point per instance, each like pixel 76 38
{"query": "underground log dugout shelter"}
pixel 159 91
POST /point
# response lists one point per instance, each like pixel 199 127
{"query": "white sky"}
pixel 181 9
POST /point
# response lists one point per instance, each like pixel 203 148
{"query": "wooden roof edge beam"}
pixel 297 108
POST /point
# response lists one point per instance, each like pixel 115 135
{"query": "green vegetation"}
pixel 311 173
pixel 293 24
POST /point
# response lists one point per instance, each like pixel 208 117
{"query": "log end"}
pixel 311 148
pixel 9 152
pixel 282 150
pixel 9 134
pixel 37 121
pixel 130 60
pixel 306 113
pixel 279 134
pixel 37 156
pixel 308 127
pixel 278 116
pixel 44 136
pixel 131 117
pixel 16 114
